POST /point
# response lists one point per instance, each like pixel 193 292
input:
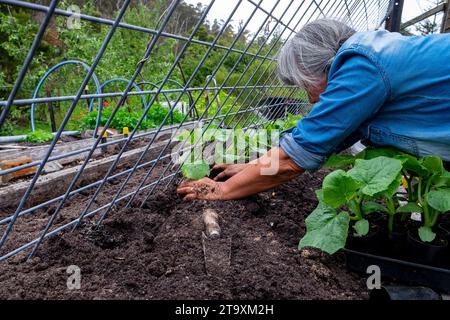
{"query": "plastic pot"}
pixel 431 254
pixel 395 244
pixel 388 293
pixel 445 227
pixel 370 243
pixel 379 219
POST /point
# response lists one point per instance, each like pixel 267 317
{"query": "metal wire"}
pixel 245 100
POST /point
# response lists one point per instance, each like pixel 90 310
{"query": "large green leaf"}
pixel 443 180
pixel 195 170
pixel 391 189
pixel 439 199
pixel 376 175
pixel 319 195
pixel 339 161
pixel 433 164
pixel 414 166
pixel 326 230
pixel 372 153
pixel 339 188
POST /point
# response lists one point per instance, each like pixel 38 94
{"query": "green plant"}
pixel 229 145
pixel 427 184
pixel 349 196
pixel 432 188
pixel 39 136
pixel 285 124
pixel 195 170
pixel 123 118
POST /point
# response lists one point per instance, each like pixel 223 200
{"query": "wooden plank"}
pixel 446 19
pixel 38 153
pixel 55 184
pixel 9 164
pixel 423 16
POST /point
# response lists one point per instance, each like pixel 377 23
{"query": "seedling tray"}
pixel 400 271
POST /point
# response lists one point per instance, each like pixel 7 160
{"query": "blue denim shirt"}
pixel 385 89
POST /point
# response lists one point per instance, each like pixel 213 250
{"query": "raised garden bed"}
pixel 158 253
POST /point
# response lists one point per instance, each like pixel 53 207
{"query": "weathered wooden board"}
pixel 55 184
pixel 9 164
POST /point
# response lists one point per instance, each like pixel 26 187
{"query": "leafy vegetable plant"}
pixel 125 119
pixel 229 145
pixel 39 136
pixel 348 196
pixel 426 181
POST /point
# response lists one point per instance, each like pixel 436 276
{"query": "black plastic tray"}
pixel 400 271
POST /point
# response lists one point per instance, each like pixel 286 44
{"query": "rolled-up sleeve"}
pixel 357 89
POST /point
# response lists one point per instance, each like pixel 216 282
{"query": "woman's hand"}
pixel 228 170
pixel 205 189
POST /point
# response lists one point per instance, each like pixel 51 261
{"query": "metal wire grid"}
pixel 361 14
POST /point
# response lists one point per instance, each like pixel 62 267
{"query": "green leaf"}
pixel 410 208
pixel 442 180
pixel 414 166
pixel 373 207
pixel 339 188
pixel 392 188
pixel 361 227
pixel 196 170
pixel 434 165
pixel 326 230
pixel 372 153
pixel 339 161
pixel 376 175
pixel 39 136
pixel 319 195
pixel 426 234
pixel 439 200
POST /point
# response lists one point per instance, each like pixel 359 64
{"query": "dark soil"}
pixel 158 253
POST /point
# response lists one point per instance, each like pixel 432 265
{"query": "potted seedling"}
pixel 432 189
pixel 346 200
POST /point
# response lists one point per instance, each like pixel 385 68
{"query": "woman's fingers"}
pixel 184 190
pixel 222 166
pixel 191 197
pixel 221 176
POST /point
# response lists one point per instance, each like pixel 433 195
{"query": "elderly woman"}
pixel 379 87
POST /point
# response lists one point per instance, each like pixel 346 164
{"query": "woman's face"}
pixel 314 92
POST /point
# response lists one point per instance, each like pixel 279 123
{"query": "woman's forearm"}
pixel 271 170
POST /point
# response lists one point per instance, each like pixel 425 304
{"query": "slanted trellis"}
pixel 251 94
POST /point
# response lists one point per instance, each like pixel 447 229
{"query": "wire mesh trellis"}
pixel 252 99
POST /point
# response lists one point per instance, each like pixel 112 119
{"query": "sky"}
pixel 223 8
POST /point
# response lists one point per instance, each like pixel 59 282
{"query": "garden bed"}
pixel 157 253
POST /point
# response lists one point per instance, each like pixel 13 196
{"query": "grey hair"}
pixel 308 56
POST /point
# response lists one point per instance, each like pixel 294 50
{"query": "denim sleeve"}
pixel 357 89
